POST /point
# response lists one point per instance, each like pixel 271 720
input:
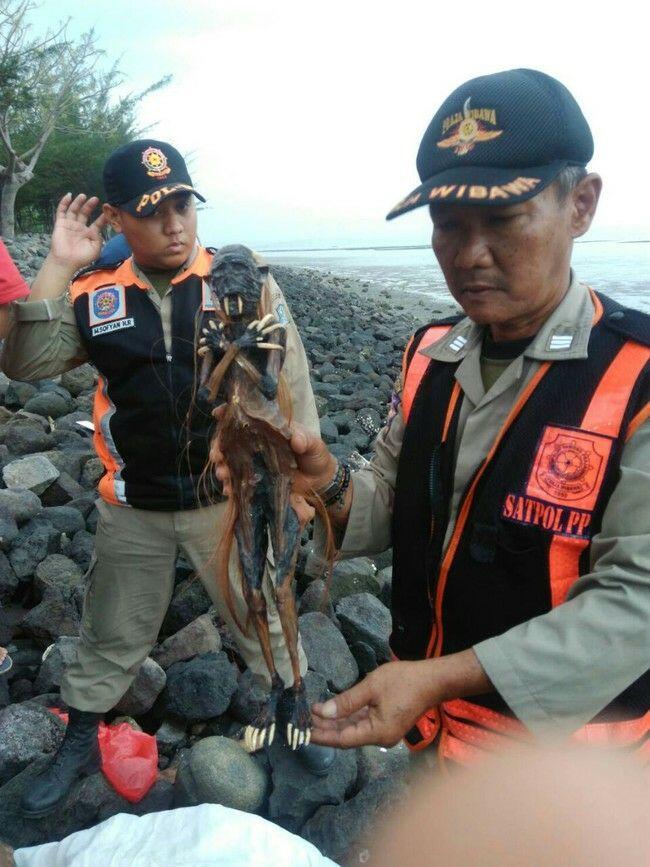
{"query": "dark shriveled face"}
pixel 236 282
pixel 508 267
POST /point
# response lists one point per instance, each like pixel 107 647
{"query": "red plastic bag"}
pixel 129 758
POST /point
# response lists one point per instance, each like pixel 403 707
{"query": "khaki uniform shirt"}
pixel 45 342
pixel 560 669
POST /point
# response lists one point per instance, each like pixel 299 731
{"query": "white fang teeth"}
pixel 240 304
pixel 226 306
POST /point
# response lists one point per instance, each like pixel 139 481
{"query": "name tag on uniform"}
pixel 107 310
pixel 207 301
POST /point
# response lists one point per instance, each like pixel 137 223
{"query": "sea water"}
pixel 620 269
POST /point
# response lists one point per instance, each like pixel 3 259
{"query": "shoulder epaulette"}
pixel 417 337
pixel 631 323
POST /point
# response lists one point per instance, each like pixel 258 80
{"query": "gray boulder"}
pixel 18 393
pixel 48 404
pixel 353 576
pixel 57 614
pixel 170 735
pixel 61 491
pixel 59 656
pixel 8 579
pixel 297 794
pixel 33 473
pixel 148 684
pixel 22 504
pixel 190 600
pixel 201 688
pixel 364 618
pixel 80 379
pixel 199 636
pixel 25 438
pixel 65 519
pixel 343 832
pixel 326 650
pixel 58 570
pixel 316 598
pixel 26 732
pixel 8 529
pixel 33 544
pixel 81 550
pixel 92 472
pixel 219 771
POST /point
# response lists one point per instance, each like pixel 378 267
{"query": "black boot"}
pixel 78 755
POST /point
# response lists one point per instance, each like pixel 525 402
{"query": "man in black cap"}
pixel 138 321
pixel 512 476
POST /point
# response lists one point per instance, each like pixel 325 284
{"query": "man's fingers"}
pixel 300 438
pixel 355 734
pixel 74 208
pixel 88 207
pixel 348 702
pixel 64 204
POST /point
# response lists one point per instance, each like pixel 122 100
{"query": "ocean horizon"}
pixel 619 268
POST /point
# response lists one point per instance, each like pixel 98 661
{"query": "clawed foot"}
pixel 262 730
pixel 299 718
pixel 259 734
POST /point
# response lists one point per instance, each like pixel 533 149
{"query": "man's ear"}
pixel 114 216
pixel 585 197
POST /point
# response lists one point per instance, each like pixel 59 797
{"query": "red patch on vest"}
pixel 569 467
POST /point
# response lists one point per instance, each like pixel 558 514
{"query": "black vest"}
pixel 147 418
pixel 499 575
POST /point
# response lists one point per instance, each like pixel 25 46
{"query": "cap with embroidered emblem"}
pixel 139 175
pixel 498 140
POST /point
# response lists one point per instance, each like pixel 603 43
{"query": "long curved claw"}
pixel 212 324
pixel 270 317
pixel 272 328
pixel 255 738
pixel 203 350
pixel 269 346
pixel 252 325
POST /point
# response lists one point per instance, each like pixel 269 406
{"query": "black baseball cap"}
pixel 499 139
pixel 140 174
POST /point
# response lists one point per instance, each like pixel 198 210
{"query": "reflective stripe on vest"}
pixel 479 728
pixel 413 372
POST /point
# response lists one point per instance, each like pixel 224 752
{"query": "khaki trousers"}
pixel 130 589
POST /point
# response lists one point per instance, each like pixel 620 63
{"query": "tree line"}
pixel 60 117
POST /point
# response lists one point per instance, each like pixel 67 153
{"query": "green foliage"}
pixel 87 131
pixel 61 114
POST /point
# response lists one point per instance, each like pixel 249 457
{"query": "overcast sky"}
pixel 303 119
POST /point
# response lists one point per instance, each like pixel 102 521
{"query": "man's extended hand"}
pixel 379 710
pixel 76 243
pixel 386 704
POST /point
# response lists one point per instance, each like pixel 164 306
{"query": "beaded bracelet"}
pixel 335 491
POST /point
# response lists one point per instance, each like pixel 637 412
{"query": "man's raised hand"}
pixel 75 242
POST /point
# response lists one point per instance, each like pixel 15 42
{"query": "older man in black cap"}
pixel 138 322
pixel 512 477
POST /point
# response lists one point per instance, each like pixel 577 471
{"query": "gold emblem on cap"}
pixel 470 128
pixel 155 162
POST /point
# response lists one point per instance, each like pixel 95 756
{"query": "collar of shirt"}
pixel 564 335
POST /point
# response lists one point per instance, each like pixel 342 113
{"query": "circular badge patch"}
pixel 155 162
pixel 105 303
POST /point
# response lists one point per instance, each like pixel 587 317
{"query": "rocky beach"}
pixel 193 693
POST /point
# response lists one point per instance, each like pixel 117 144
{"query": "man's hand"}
pixel 75 243
pixel 315 463
pixel 379 710
pixel 386 704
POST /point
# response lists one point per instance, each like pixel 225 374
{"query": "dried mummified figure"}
pixel 243 352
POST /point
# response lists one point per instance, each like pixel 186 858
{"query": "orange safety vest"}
pixel 617 405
